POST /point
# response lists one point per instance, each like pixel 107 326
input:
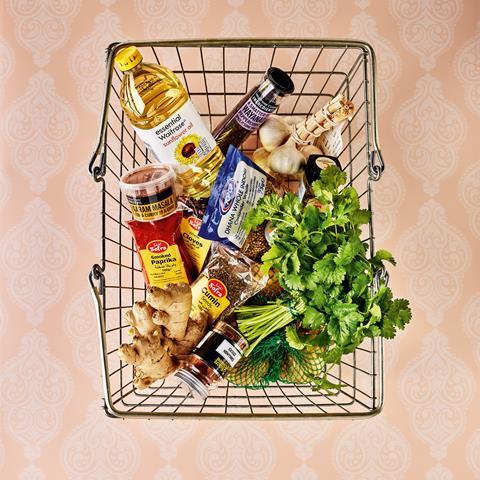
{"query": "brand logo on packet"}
pixel 157 246
pixel 195 223
pixel 217 288
pixel 227 196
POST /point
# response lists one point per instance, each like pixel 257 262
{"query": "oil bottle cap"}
pixel 128 58
pixel 281 80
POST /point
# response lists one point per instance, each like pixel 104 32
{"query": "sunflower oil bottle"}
pixel 165 119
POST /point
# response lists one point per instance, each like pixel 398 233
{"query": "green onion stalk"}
pixel 257 322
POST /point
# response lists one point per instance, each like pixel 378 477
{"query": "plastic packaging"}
pixel 161 251
pixel 197 247
pixel 228 280
pixel 239 186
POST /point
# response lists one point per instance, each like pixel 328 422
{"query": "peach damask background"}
pixel 427 212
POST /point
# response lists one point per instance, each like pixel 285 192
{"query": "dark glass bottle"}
pixel 253 109
pixel 218 352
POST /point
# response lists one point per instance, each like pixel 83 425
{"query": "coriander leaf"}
pixel 331 178
pixel 388 328
pixel 347 201
pixel 360 283
pixel 333 355
pixel 292 337
pixel 293 262
pixel 347 251
pixel 312 218
pixel 265 209
pixel 383 298
pixel 291 204
pixel 310 280
pixel 300 233
pixel 373 331
pixel 319 298
pixel 375 312
pixel 325 197
pixel 397 316
pixel 384 255
pixel 328 271
pixel 312 319
pixel 360 217
pixel 338 330
pixel 400 312
pixel 292 281
pixel 318 249
pixel 324 384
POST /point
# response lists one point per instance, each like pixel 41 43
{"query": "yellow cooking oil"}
pixel 165 119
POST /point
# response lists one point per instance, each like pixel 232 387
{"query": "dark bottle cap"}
pixel 281 80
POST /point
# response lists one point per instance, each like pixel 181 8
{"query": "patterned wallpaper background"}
pixel 428 214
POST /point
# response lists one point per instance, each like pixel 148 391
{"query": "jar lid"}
pixel 147 177
pixel 191 384
pixel 281 80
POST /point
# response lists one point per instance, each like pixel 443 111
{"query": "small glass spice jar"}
pixel 217 353
pixel 150 191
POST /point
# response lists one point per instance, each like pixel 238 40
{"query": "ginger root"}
pixel 140 318
pixel 197 327
pixel 162 333
pixel 173 304
pixel 150 358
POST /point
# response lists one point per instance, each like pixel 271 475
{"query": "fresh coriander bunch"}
pixel 322 264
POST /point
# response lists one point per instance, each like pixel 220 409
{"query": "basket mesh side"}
pixel 217 77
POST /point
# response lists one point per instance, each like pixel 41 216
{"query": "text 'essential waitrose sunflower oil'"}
pixel 166 120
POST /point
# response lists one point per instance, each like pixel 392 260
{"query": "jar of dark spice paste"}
pixel 150 191
pixel 216 354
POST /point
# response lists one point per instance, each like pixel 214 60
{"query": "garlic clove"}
pixel 286 159
pixel 308 150
pixel 292 119
pixel 273 132
pixel 260 157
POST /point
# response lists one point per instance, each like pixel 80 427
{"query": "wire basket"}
pixel 217 73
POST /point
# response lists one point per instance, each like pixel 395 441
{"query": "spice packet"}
pixel 161 250
pixel 239 186
pixel 196 246
pixel 228 280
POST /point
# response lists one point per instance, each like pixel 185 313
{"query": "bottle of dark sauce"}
pixel 253 109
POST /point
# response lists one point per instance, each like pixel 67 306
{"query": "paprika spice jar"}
pixel 217 353
pixel 150 191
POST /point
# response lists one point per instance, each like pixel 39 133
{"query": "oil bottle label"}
pixel 163 264
pixel 183 138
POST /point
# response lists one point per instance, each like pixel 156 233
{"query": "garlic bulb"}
pixel 273 132
pixel 286 159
